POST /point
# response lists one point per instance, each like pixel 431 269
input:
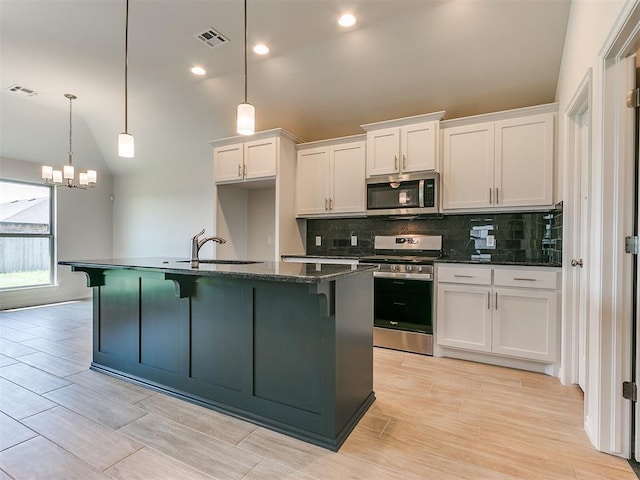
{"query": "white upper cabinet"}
pixel 330 178
pixel 504 162
pixel 467 170
pixel 229 162
pixel 244 159
pixel 403 145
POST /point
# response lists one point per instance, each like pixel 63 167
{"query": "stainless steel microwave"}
pixel 411 194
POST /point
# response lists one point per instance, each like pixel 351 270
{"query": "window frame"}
pixel 51 236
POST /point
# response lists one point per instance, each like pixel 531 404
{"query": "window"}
pixel 26 235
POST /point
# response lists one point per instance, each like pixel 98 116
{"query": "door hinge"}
pixel 633 98
pixel 632 245
pixel 630 391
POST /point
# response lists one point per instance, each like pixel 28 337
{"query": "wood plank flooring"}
pixel 433 418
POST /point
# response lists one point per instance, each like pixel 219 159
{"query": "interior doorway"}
pixel 577 233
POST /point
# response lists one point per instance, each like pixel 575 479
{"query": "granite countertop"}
pixel 497 261
pixel 449 259
pixel 273 271
pixel 339 257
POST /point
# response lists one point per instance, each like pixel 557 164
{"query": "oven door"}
pixel 403 304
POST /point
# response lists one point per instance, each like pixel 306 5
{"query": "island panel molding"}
pixel 292 355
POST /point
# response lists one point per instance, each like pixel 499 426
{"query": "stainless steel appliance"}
pixel 403 291
pixel 412 194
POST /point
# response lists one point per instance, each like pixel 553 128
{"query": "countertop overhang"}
pixel 310 272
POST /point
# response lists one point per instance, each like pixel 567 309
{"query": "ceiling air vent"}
pixel 24 91
pixel 212 38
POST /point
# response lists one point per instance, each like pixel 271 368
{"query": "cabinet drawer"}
pixel 526 278
pixel 468 275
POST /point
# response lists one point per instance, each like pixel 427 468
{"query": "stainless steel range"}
pixel 403 291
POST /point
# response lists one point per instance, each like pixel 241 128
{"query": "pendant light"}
pixel 66 176
pixel 125 139
pixel 246 120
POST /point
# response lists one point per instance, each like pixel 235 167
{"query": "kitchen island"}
pixel 283 345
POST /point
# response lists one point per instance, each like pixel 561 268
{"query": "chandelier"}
pixel 66 175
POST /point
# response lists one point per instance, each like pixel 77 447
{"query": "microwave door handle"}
pixel 421 193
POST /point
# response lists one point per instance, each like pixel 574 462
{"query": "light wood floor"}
pixel 433 419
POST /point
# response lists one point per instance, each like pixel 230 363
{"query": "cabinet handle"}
pixel 463 276
pixel 326 204
pixel 497 196
pixel 525 279
pixel 496 301
pixel 395 162
pixel 404 162
pixel 488 300
pixel 330 203
pixel 239 170
pixel 244 170
pixel 490 196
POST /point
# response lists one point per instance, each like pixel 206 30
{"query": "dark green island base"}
pixel 283 345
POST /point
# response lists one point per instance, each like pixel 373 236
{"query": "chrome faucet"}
pixel 196 245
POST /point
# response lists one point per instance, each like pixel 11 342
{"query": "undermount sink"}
pixel 224 262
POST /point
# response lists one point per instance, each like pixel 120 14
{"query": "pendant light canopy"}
pixel 125 139
pixel 246 119
pixel 66 176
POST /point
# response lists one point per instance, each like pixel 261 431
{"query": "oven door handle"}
pixel 422 277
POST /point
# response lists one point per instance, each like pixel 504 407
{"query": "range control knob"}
pixel 419 268
pixel 394 268
pixel 409 268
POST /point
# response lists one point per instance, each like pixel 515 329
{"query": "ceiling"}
pixel 402 58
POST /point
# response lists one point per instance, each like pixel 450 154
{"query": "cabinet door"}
pixel 383 149
pixel 524 161
pixel 348 178
pixel 228 161
pixel 463 317
pixel 467 176
pixel 260 158
pixel 525 323
pixel 312 182
pixel 418 147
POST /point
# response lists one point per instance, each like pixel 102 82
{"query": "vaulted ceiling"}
pixel 402 58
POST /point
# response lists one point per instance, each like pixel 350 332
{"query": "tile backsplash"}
pixel 526 236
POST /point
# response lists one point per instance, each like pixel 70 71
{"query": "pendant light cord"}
pixel 126 68
pixel 71 97
pixel 245 51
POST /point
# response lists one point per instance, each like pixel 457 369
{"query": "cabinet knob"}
pixel 577 263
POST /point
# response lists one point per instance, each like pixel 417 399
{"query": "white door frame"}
pixel 579 106
pixel 608 422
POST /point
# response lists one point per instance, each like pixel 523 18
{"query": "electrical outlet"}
pixel 318 241
pixel 491 241
pixel 354 240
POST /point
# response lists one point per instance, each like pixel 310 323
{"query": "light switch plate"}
pixel 491 241
pixel 318 241
pixel 354 240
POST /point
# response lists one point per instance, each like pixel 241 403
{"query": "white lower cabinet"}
pixel 468 320
pixel 510 311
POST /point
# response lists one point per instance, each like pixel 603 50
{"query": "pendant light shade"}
pixel 125 139
pixel 246 119
pixel 125 145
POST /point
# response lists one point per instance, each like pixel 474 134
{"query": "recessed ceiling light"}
pixel 261 49
pixel 347 20
pixel 197 70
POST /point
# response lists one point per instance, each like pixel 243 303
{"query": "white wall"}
pixel 156 212
pixel 39 134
